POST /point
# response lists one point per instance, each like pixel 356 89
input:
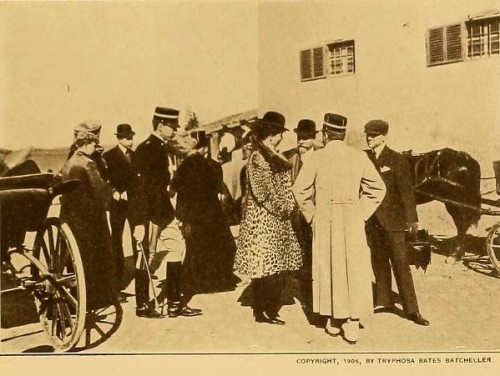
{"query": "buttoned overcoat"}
pixel 149 198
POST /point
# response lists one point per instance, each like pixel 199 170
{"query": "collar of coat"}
pixel 276 160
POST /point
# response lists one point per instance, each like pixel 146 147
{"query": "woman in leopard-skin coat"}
pixel 267 244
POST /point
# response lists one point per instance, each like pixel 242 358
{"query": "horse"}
pixel 452 177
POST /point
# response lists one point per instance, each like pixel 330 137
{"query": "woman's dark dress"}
pixel 84 210
pixel 210 247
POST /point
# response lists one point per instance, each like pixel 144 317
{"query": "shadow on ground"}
pixel 476 257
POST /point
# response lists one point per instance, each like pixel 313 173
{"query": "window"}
pixel 332 59
pixel 341 58
pixel 475 38
pixel 483 37
pixel 444 45
pixel 312 64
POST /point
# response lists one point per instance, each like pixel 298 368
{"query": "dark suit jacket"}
pixel 119 169
pixel 294 157
pixel 149 198
pixel 398 207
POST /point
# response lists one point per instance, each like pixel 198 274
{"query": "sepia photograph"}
pixel 310 183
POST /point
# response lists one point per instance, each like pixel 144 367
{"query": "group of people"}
pixel 332 215
pixel 139 186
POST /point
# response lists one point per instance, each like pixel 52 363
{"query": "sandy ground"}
pixel 460 301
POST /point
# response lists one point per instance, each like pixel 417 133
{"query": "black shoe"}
pixel 173 309
pixel 148 313
pixel 417 319
pixel 261 318
pixel 275 321
pixel 385 309
pixel 190 312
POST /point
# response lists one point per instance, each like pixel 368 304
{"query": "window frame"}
pixel 483 22
pixel 341 44
pixel 312 66
pixel 307 62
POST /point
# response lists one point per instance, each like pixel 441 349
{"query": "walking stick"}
pixel 146 264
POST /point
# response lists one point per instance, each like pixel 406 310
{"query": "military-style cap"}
pixel 334 123
pixel 376 127
pixel 168 116
pixel 92 126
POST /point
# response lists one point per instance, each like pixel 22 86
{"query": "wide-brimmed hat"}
pixel 334 123
pixel 86 136
pixel 306 127
pixel 274 120
pixel 376 127
pixel 92 126
pixel 201 137
pixel 124 130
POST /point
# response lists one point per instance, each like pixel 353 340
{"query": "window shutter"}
pixel 436 46
pixel 318 65
pixel 444 45
pixel 454 42
pixel 305 65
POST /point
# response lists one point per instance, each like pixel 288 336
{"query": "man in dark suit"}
pixel 150 209
pixel 118 160
pixel 306 134
pixel 385 230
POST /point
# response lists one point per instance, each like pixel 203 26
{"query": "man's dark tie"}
pixel 128 154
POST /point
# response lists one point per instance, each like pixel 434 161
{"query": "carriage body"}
pixel 25 201
pixel 52 269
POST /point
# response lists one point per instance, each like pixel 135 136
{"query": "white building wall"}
pixel 454 105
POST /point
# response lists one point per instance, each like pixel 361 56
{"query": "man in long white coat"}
pixel 338 189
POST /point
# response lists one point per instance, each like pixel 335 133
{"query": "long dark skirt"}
pixel 208 265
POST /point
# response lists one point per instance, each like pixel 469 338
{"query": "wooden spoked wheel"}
pixel 493 246
pixel 100 325
pixel 60 293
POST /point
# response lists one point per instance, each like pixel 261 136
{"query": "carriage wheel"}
pixel 60 294
pixel 493 246
pixel 100 325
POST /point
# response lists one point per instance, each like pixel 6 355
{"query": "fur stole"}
pixel 276 161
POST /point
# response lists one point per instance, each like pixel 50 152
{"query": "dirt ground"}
pixel 460 301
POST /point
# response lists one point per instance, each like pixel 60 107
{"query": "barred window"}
pixel 483 37
pixel 341 58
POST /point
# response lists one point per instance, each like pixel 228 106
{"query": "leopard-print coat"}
pixel 267 243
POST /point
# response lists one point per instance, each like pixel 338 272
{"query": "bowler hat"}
pixel 124 130
pixel 274 120
pixel 334 123
pixel 376 127
pixel 307 127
